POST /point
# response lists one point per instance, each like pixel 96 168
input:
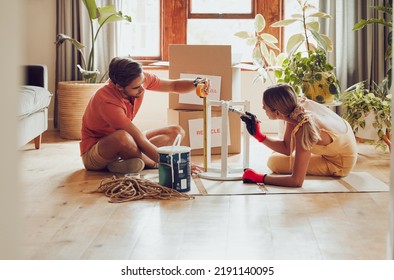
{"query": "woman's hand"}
pixel 196 169
pixel 253 126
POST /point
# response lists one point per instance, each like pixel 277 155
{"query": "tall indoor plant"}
pixel 73 96
pixel 309 72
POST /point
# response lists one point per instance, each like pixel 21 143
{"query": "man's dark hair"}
pixel 124 70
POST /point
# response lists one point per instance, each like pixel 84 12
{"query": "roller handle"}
pixel 241 113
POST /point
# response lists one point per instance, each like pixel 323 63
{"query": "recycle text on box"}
pixel 196 133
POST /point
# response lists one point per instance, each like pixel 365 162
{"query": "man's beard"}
pixel 134 96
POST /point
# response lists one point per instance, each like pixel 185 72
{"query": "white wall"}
pixel 39 30
pixel 10 57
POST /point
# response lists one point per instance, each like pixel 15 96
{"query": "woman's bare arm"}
pixel 300 166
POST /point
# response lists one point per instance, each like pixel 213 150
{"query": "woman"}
pixel 323 143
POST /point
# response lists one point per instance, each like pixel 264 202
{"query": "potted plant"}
pixel 368 109
pixel 368 112
pixel 311 75
pixel 73 96
pixel 309 72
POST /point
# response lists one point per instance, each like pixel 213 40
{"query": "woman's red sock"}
pixel 251 176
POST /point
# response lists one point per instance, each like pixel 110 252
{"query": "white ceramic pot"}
pixel 369 132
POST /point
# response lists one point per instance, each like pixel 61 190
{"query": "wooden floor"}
pixel 62 221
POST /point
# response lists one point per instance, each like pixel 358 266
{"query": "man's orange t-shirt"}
pixel 108 110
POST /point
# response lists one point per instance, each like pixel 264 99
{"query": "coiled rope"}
pixel 127 188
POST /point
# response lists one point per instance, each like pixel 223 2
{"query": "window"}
pixel 220 8
pixel 218 20
pixel 158 23
pixel 141 38
pixel 221 32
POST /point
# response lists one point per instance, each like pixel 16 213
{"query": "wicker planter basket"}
pixel 73 97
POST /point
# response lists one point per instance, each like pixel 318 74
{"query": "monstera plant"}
pixel 308 72
pixel 98 17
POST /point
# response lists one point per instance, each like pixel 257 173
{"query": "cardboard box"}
pixel 188 119
pixel 215 62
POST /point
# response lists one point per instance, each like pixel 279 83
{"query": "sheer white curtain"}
pixel 358 55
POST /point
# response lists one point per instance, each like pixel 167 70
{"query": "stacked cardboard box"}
pixel 215 63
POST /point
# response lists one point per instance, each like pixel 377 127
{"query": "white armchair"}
pixel 34 99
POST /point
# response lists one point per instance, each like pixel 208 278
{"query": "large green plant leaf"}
pixel 320 15
pixel 269 38
pixel 243 35
pixel 259 23
pixel 294 43
pixel 362 23
pixel 272 60
pixel 91 7
pixel 328 41
pixel 272 45
pixel 313 25
pixel 319 39
pixel 264 51
pixel 61 38
pixel 384 9
pixel 109 14
pixel 285 22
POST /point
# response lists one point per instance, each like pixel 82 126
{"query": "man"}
pixel 109 137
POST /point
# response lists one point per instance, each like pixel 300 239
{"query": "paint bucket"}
pixel 174 166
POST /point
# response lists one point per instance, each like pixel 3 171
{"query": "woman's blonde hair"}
pixel 283 98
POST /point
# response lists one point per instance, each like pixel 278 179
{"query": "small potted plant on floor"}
pixel 73 96
pixel 368 112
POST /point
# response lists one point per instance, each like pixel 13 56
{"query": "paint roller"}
pixel 240 112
